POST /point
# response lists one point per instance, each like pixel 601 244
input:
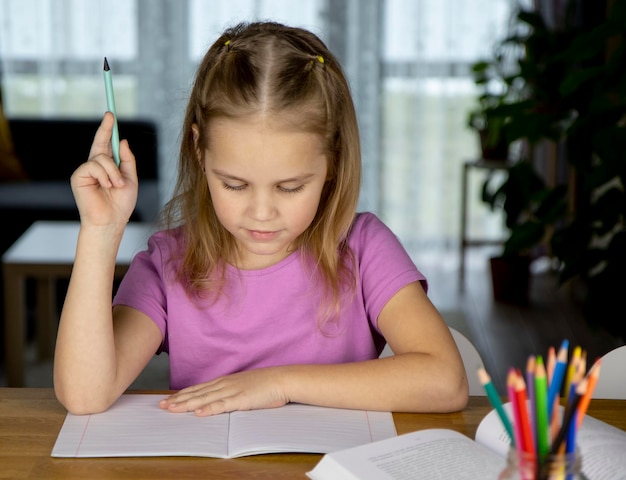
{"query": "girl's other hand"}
pixel 249 390
pixel 104 193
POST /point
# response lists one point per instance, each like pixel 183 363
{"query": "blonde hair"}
pixel 289 73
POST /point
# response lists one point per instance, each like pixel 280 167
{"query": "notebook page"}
pixel 306 428
pixel 135 426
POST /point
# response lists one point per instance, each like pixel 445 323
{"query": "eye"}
pixel 233 187
pixel 291 190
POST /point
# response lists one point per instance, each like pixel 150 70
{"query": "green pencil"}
pixel 115 137
pixel 541 409
pixel 495 401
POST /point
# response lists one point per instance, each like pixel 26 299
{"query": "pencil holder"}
pixel 559 466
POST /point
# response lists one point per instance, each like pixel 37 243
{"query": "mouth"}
pixel 263 235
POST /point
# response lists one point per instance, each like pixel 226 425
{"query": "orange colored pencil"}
pixel 592 377
pixel 550 363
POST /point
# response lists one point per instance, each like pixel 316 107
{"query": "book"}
pixel 443 453
pixel 135 426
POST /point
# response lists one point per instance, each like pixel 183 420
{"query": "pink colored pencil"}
pixel 517 432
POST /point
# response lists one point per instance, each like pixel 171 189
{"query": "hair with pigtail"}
pixel 289 74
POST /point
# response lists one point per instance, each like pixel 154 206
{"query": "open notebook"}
pixel 135 426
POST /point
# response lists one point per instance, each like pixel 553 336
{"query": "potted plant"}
pixel 592 245
pixel 574 95
pixel 531 210
pixel 488 117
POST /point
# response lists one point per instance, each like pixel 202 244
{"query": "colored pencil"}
pixel 110 96
pixel 517 432
pixel 556 383
pixel 570 413
pixel 592 379
pixel 550 362
pixel 571 370
pixel 528 443
pixel 495 401
pixel 530 386
pixel 541 400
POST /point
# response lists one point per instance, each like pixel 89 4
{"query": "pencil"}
pixel 528 443
pixel 570 412
pixel 530 386
pixel 550 362
pixel 571 370
pixel 592 377
pixel 554 388
pixel 108 86
pixel 541 408
pixel 517 432
pixel 495 401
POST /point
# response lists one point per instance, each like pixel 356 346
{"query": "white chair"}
pixel 612 379
pixel 471 359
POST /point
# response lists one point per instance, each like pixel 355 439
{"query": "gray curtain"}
pixel 407 63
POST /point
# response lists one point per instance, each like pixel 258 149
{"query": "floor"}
pixel 504 334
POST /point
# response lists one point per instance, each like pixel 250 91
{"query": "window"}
pixel 407 62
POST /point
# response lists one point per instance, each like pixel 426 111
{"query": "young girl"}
pixel 264 286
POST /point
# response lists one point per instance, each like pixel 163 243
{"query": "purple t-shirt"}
pixel 270 316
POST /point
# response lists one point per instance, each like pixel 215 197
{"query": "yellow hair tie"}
pixel 226 43
pixel 320 59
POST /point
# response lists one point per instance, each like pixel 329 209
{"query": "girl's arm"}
pixel 426 374
pixel 94 362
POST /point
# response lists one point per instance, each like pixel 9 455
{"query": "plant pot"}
pixel 493 151
pixel 510 278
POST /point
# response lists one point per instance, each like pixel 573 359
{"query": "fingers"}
pixel 102 153
pixel 241 391
pixel 102 140
pixel 128 165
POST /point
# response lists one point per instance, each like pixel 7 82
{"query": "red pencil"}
pixel 528 442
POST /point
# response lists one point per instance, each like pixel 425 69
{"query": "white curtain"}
pixel 407 62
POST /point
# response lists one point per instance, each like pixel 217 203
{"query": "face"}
pixel 266 183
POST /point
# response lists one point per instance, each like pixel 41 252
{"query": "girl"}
pixel 264 286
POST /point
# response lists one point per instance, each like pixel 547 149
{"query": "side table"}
pixel 464 241
pixel 45 252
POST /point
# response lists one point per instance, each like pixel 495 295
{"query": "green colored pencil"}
pixel 542 427
pixel 115 136
pixel 495 401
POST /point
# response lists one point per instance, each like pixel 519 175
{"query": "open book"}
pixel 442 453
pixel 135 426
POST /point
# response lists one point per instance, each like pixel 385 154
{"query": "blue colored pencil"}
pixel 556 383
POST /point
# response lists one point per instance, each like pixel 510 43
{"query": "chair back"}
pixel 612 379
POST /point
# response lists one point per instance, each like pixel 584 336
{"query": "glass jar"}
pixel 560 466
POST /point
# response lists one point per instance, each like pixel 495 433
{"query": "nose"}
pixel 262 206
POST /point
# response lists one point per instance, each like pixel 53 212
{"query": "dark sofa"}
pixel 50 149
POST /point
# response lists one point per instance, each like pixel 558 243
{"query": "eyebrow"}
pixel 299 178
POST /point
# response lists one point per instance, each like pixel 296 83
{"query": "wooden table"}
pixel 46 252
pixel 30 420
